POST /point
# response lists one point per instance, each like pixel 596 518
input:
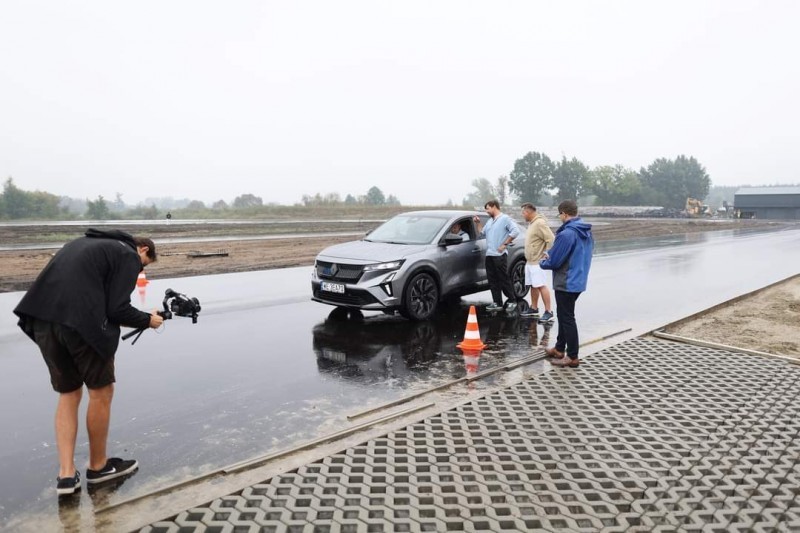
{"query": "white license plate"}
pixel 334 355
pixel 332 287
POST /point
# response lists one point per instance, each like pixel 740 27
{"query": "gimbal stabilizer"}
pixel 174 303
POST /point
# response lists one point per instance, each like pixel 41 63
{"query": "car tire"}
pixel 420 297
pixel 517 275
pixel 339 314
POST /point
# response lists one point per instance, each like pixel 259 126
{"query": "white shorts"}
pixel 535 276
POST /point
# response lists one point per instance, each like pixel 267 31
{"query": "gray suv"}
pixel 410 264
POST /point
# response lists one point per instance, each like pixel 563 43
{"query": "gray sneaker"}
pixel 493 307
pixel 530 313
pixel 510 307
pixel 546 317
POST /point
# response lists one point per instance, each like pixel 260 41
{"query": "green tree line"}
pixel 16 203
pixel 538 178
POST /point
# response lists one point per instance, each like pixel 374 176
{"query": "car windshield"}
pixel 405 229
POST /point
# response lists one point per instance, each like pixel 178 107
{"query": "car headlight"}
pixel 391 265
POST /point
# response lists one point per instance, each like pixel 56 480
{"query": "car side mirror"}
pixel 452 238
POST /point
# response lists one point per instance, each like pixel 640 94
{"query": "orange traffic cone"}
pixel 472 336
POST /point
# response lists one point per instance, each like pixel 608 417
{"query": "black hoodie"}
pixel 87 286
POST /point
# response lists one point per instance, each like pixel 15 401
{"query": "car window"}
pixel 468 228
pixel 406 229
pixel 484 219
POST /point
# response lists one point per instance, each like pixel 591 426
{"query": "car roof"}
pixel 443 213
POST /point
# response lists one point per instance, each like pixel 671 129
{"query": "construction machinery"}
pixel 696 208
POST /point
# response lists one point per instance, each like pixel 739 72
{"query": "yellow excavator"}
pixel 695 208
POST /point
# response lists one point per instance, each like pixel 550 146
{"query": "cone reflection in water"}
pixel 472 359
pixel 472 335
pixel 141 285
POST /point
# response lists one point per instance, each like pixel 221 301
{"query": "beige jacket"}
pixel 538 239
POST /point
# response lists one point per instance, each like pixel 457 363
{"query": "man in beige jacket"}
pixel 538 239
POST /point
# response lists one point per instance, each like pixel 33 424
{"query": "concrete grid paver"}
pixel 648 435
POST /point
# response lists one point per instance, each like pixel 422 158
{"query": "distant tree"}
pixel 44 205
pixel 482 193
pixel 118 204
pixel 331 198
pixel 219 204
pixel 15 202
pixel 375 197
pixel 98 209
pixel 196 205
pixel 532 175
pixel 719 194
pixel 166 202
pixel 615 185
pixel 247 200
pixel 569 178
pixel 501 189
pixel 392 200
pixel 145 212
pixel 350 200
pixel 674 181
pixel 73 206
pixel 449 203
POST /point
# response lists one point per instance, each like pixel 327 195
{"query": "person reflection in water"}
pixel 534 338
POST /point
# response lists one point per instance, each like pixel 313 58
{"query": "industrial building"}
pixel 768 203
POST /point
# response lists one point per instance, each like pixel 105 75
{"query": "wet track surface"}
pixel 265 368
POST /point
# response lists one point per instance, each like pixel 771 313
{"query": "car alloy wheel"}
pixel 518 279
pixel 421 297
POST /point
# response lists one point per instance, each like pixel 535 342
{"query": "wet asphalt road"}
pixel 265 368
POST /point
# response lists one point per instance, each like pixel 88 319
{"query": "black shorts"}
pixel 71 361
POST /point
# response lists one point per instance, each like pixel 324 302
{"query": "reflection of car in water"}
pixel 379 348
pixel 411 264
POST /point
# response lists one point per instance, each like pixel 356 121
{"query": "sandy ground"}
pixel 768 321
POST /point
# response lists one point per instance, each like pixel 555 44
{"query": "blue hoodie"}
pixel 571 256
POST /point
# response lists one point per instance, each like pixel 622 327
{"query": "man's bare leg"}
pixel 98 417
pixel 534 298
pixel 545 292
pixel 67 431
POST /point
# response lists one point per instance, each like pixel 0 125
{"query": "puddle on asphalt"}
pixel 206 407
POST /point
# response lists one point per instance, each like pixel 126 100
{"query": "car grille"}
pixel 353 298
pixel 339 272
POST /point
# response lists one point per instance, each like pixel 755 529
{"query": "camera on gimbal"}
pixel 179 304
pixel 174 304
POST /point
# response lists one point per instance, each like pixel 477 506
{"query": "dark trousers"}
pixel 497 275
pixel 567 340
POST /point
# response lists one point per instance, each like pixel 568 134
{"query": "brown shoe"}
pixel 566 362
pixel 552 352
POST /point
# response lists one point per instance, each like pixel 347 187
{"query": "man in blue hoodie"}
pixel 570 259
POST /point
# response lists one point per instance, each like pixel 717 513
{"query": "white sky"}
pixel 210 100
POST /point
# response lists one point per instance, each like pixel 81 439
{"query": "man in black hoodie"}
pixel 73 312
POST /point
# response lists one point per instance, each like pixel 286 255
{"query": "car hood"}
pixel 370 252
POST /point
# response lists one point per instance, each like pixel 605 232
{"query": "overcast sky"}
pixel 210 100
